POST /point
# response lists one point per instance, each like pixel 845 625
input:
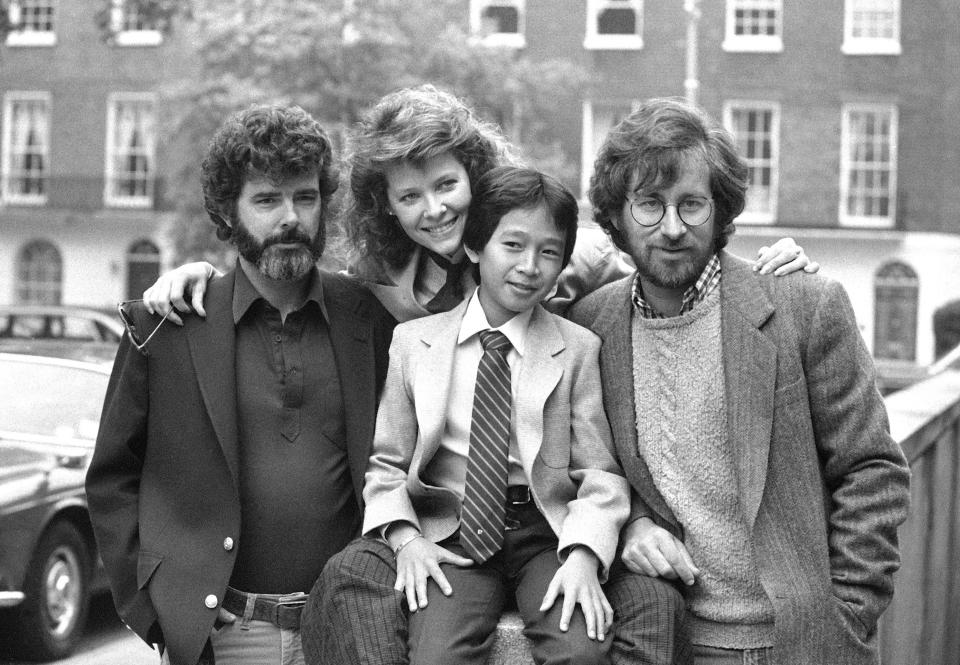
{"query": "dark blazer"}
pixel 822 485
pixel 162 485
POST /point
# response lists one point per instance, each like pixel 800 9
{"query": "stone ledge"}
pixel 511 646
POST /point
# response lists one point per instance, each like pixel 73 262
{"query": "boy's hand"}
pixel 653 551
pixel 168 291
pixel 418 561
pixel 577 582
pixel 785 257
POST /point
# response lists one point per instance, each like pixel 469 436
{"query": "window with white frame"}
pixel 868 165
pixel 32 23
pixel 39 274
pixel 26 148
pixel 871 27
pixel 598 119
pixel 130 27
pixel 756 128
pixel 754 26
pixel 614 24
pixel 130 160
pixel 499 22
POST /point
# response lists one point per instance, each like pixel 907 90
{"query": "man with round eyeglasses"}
pixel 744 411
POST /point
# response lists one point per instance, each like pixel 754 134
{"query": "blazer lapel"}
pixel 614 325
pixel 212 349
pixel 540 373
pixel 750 370
pixel 436 360
pixel 351 337
pixel 395 290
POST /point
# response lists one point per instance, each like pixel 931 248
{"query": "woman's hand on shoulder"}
pixel 783 258
pixel 167 295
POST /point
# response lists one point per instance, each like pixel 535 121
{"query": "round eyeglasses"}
pixel 693 210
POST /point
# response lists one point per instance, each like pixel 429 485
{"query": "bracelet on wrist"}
pixel 396 550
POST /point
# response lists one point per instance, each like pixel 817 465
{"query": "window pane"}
pixel 130 165
pixel 35 15
pixel 753 131
pixel 617 21
pixel 501 18
pixel 870 163
pixel 27 131
pixel 39 274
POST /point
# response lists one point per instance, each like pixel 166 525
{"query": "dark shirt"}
pixel 297 501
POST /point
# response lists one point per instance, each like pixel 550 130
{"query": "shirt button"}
pixel 210 601
pixel 276 338
pixel 228 543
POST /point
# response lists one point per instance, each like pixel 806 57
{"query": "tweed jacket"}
pixel 163 482
pixel 821 483
pixel 562 434
pixel 595 262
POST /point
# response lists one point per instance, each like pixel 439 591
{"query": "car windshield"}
pixel 50 400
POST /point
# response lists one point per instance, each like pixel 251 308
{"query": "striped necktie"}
pixel 485 491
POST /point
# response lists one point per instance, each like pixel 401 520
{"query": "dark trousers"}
pixel 355 617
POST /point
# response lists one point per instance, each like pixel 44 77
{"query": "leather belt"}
pixel 518 495
pixel 281 612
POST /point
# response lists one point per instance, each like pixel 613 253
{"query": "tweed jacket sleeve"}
pixel 864 470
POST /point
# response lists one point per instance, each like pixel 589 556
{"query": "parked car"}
pixel 61 331
pixel 49 416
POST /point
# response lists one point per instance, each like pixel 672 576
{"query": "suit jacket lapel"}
pixel 432 394
pixel 750 370
pixel 351 337
pixel 212 342
pixel 614 325
pixel 540 373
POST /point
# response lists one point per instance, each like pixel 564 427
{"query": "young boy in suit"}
pixel 493 469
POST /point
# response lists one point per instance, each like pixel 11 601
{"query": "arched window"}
pixel 896 290
pixel 39 274
pixel 143 267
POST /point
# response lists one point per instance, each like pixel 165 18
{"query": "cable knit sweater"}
pixel 681 431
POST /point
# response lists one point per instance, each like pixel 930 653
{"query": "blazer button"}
pixel 210 601
pixel 228 543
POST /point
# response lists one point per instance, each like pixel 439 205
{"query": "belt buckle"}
pixel 288 606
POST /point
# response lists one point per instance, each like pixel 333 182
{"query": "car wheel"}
pixel 47 626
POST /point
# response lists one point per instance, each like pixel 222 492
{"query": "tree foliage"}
pixel 335 58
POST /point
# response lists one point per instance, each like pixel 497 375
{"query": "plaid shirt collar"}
pixel 705 284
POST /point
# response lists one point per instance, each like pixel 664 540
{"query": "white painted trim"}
pixel 517 40
pixel 870 45
pixel 735 43
pixel 596 41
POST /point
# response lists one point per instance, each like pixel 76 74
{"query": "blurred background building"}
pixel 847 112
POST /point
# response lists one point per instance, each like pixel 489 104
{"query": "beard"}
pixel 673 274
pixel 281 263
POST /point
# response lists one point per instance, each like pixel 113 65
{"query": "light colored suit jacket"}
pixel 822 485
pixel 562 433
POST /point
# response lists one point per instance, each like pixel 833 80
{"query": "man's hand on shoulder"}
pixel 653 551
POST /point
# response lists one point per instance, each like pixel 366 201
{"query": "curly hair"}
pixel 507 188
pixel 409 125
pixel 654 144
pixel 265 141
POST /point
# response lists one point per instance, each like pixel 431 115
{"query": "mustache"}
pixel 290 236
